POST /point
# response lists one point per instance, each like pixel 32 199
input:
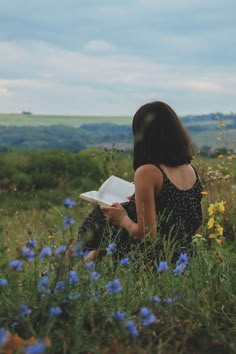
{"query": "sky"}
pixel 108 57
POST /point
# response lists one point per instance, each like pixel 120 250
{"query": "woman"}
pixel 167 188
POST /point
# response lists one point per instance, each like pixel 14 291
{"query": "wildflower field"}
pixel 51 305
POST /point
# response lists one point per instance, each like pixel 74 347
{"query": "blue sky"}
pixel 109 57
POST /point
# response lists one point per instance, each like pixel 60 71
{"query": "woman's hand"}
pixel 114 214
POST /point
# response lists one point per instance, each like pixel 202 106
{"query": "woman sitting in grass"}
pixel 167 198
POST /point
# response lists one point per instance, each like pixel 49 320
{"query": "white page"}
pixel 117 187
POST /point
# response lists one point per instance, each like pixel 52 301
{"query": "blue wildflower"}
pixel 147 316
pixel 28 253
pixel 55 311
pixel 110 248
pixel 45 252
pixel 3 337
pixel 125 261
pixel 3 282
pixel 114 286
pixel 183 259
pixel 119 315
pixel 168 300
pixel 90 265
pixel 69 203
pixel 32 243
pixel 156 299
pixel 131 328
pixel 60 287
pixel 73 277
pixel 36 348
pixel 25 310
pixel 42 286
pixel 60 250
pixel 179 269
pixel 16 264
pixel 163 266
pixel 84 253
pixel 95 276
pixel 68 222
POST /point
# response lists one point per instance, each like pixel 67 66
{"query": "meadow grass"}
pixel 110 307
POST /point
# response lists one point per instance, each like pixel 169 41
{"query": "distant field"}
pixel 47 120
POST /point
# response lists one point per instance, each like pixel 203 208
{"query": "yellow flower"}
pixel 219 230
pixel 221 156
pixel 221 206
pixel 211 223
pixel 204 193
pixel 218 242
pixel 211 209
pixel 212 236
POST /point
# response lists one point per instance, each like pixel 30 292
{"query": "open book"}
pixel 113 190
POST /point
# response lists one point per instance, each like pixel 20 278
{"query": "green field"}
pixel 47 120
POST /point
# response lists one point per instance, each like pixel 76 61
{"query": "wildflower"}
pixel 61 249
pixel 73 277
pixel 95 276
pixel 36 348
pixel 69 203
pixel 25 310
pixel 125 261
pixel 90 265
pixel 110 248
pixel 221 207
pixel 55 311
pixel 60 287
pixel 119 315
pixel 179 269
pixel 74 296
pixel 28 253
pixel 42 286
pixel 3 282
pixel 147 316
pixel 3 337
pixel 163 266
pixel 219 242
pixel 183 259
pixel 131 328
pixel 76 250
pixel 114 286
pixel 168 300
pixel 219 229
pixel 156 299
pixel 204 193
pixel 45 252
pixel 212 236
pixel 32 243
pixel 211 209
pixel 211 223
pixel 106 148
pixel 68 222
pixel 16 264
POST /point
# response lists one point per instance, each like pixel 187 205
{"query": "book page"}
pixel 101 198
pixel 117 187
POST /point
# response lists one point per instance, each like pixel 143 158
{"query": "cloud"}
pixel 99 46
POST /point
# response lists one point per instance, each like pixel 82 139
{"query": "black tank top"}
pixel 179 212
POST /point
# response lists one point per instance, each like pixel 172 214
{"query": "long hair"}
pixel 160 137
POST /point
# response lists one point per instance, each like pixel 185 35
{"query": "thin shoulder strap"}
pixel 197 176
pixel 162 171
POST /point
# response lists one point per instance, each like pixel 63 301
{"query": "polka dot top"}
pixel 179 212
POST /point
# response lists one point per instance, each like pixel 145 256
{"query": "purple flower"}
pixel 125 261
pixel 32 243
pixel 60 250
pixel 110 248
pixel 3 337
pixel 68 222
pixel 55 311
pixel 16 264
pixel 3 282
pixel 131 328
pixel 95 276
pixel 36 348
pixel 28 253
pixel 25 310
pixel 119 315
pixel 60 287
pixel 147 316
pixel 106 148
pixel 90 265
pixel 42 286
pixel 45 252
pixel 114 286
pixel 73 277
pixel 163 266
pixel 156 299
pixel 69 203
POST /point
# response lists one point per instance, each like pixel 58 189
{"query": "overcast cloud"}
pixel 110 57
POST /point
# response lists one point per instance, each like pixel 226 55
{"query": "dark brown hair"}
pixel 160 137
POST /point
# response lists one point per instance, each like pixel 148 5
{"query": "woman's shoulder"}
pixel 149 173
